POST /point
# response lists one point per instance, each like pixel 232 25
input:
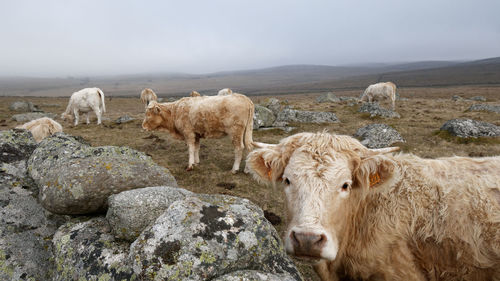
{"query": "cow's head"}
pixel 325 177
pixel 67 116
pixel 155 116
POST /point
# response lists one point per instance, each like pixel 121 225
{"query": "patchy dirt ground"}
pixel 422 115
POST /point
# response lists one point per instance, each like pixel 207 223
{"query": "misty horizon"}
pixel 96 38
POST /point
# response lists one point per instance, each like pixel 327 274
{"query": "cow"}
pixel 194 94
pixel 225 92
pixel 382 90
pixel 41 128
pixel 193 118
pixel 368 214
pixel 148 95
pixel 85 100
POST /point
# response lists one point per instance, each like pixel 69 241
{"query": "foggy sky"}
pixel 74 38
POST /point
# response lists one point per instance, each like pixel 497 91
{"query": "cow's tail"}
pixel 247 137
pixel 102 99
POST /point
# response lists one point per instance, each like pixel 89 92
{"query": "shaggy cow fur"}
pixel 367 215
pixel 42 128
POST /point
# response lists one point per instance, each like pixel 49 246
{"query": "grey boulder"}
pixel 23 106
pixel 124 119
pixel 16 146
pixel 263 117
pixel 130 212
pixel 25 117
pixel 255 275
pixel 375 110
pixel 378 136
pixel 466 128
pixel 327 97
pixel 75 178
pixel 484 107
pixel 273 104
pixel 292 115
pixel 205 237
pixel 88 251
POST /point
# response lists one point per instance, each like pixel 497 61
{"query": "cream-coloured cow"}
pixel 379 91
pixel 42 128
pixel 371 215
pixel 85 101
pixel 193 118
pixel 225 92
pixel 148 95
pixel 194 94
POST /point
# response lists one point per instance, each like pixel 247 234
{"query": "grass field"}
pixel 422 115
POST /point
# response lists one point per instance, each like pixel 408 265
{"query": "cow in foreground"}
pixel 225 92
pixel 147 96
pixel 42 128
pixel 379 91
pixel 193 118
pixel 367 214
pixel 85 101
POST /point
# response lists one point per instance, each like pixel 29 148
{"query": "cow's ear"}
pixel 374 172
pixel 266 164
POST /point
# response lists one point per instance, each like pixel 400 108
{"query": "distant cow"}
pixel 42 128
pixel 191 119
pixel 225 92
pixel 148 95
pixel 195 94
pixel 366 214
pixel 85 100
pixel 382 90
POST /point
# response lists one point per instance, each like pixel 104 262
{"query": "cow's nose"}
pixel 307 243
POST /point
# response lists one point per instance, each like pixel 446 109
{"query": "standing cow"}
pixel 367 214
pixel 193 118
pixel 147 96
pixel 85 101
pixel 382 90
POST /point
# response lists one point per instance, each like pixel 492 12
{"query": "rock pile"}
pixel 378 136
pixel 467 128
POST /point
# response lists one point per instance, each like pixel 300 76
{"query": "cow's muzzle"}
pixel 307 244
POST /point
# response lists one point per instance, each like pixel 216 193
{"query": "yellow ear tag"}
pixel 374 179
pixel 269 173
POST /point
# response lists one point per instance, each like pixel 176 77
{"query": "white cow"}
pixel 382 90
pixel 85 100
pixel 225 92
pixel 148 95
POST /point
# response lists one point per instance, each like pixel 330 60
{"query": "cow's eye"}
pixel 286 181
pixel 345 186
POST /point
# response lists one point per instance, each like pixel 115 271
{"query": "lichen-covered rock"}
pixel 25 117
pixel 124 119
pixel 88 251
pixel 466 128
pixel 375 110
pixel 273 104
pixel 263 117
pixel 457 98
pixel 23 106
pixel 255 275
pixel 16 146
pixel 292 115
pixel 130 212
pixel 327 97
pixel 378 136
pixel 205 237
pixel 75 178
pixel 485 107
pixel 478 98
pixel 25 251
pixel 347 98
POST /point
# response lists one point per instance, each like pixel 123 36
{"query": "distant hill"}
pixel 274 80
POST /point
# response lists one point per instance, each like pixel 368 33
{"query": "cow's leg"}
pixel 238 151
pixel 393 104
pixel 88 117
pixel 98 114
pixel 197 151
pixel 77 116
pixel 190 141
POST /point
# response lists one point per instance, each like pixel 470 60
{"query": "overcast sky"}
pixel 87 37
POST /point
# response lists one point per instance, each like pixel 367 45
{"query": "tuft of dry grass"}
pixel 421 116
